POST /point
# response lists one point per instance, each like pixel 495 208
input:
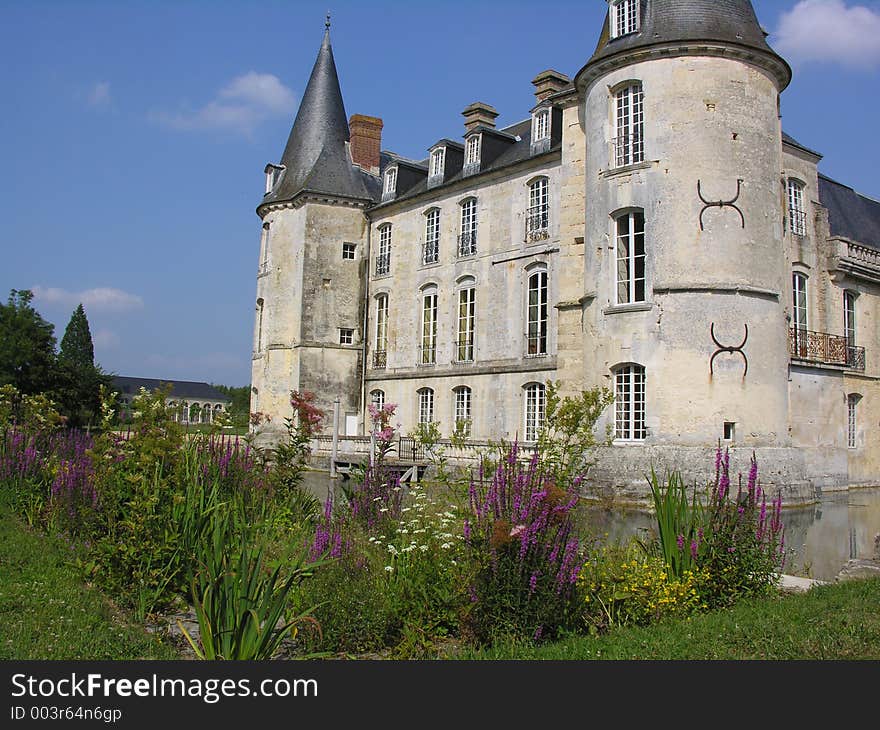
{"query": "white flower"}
pixel 389 569
pixel 384 509
pixel 446 545
pixel 423 548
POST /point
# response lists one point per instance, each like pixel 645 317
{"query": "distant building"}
pixel 194 402
pixel 647 227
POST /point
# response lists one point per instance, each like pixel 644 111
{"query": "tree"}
pixel 78 379
pixel 240 408
pixel 27 345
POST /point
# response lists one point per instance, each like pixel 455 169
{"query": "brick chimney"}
pixel 549 82
pixel 366 141
pixel 479 114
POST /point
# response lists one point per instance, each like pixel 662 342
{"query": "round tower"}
pixel 685 304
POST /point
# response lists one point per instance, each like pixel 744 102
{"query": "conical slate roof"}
pixel 316 157
pixel 673 21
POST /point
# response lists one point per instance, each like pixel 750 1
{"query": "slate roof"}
pixel 316 157
pixel 850 214
pixel 788 139
pixel 666 21
pixel 179 388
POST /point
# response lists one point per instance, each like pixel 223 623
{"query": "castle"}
pixel 648 228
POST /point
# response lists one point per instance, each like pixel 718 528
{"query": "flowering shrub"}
pixel 520 536
pixel 622 589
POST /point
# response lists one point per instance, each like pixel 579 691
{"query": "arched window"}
pixel 629 125
pixel 466 324
pixel 797 214
pixel 538 214
pixel 426 405
pixel 428 347
pixel 380 357
pixel 852 402
pixel 377 398
pixel 467 239
pixel 535 410
pixel 629 243
pixel 799 314
pixel 389 191
pixel 537 314
pixel 462 410
pixel 264 250
pixel 629 424
pixel 849 317
pixel 195 412
pixel 383 257
pixel 258 345
pixel 431 249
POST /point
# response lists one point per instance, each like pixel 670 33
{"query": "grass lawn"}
pixel 47 613
pixel 835 622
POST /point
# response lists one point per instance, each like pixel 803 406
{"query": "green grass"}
pixel 833 622
pixel 47 613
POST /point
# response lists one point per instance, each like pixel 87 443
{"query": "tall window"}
pixel 390 189
pixel 377 398
pixel 383 258
pixel 629 423
pixel 466 322
pixel 852 401
pixel 630 246
pixel 381 349
pixel 849 317
pixel 467 239
pixel 538 217
pixel 463 410
pixel 472 151
pixel 431 252
pixel 629 120
pixel 623 17
pixel 428 354
pixel 438 161
pixel 799 313
pixel 264 250
pixel 537 331
pixel 796 212
pixel 259 338
pixel 536 407
pixel 426 405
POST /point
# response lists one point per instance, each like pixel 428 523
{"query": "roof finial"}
pixel 327 22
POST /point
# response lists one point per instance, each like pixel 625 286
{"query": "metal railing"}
pixel 380 359
pixel 464 349
pixel 383 264
pixel 798 222
pixel 537 224
pixel 825 348
pixel 431 251
pixel 467 243
pixel 427 355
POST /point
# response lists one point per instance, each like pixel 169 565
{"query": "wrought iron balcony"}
pixel 467 243
pixel 431 251
pixel 383 264
pixel 824 348
pixel 380 359
pixel 537 224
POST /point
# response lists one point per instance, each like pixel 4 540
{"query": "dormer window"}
pixel 623 17
pixel 472 155
pixel 541 131
pixel 438 161
pixel 390 189
pixel 273 175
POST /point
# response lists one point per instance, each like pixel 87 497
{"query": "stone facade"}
pixel 636 231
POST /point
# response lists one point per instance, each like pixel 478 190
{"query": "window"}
pixel 536 405
pixel 466 320
pixel 349 250
pixel 383 258
pixel 623 17
pixel 431 251
pixel 438 162
pixel 630 246
pixel 537 314
pixel 852 401
pixel 629 423
pixel 264 250
pixel 538 216
pixel 629 120
pixel 849 317
pixel 259 339
pixel 377 398
pixel 463 410
pixel 426 405
pixel 472 155
pixel 390 189
pixel 467 240
pixel 541 125
pixel 346 336
pixel 796 213
pixel 729 430
pixel 428 349
pixel 380 352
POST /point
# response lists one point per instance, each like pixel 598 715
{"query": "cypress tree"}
pixel 77 348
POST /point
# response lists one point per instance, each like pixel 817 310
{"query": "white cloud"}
pixel 102 299
pixel 830 31
pixel 240 106
pixel 105 339
pixel 99 94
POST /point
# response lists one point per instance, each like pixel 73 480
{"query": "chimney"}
pixel 366 141
pixel 548 83
pixel 478 114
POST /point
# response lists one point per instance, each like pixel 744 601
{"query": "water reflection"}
pixel 819 538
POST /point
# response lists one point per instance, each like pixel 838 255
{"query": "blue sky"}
pixel 134 134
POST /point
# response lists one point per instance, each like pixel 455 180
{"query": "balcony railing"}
pixel 383 264
pixel 537 224
pixel 380 359
pixel 464 349
pixel 427 355
pixel 467 243
pixel 798 222
pixel 824 348
pixel 431 251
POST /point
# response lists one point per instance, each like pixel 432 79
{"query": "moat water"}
pixel 820 538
